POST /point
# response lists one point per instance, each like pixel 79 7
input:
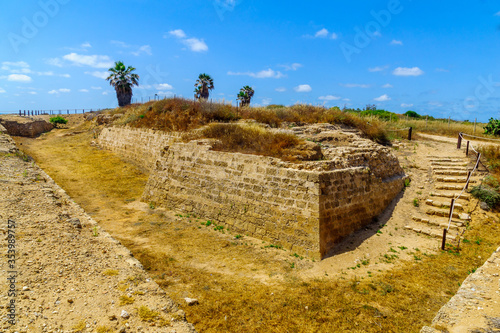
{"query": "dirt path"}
pixel 244 284
pixel 64 273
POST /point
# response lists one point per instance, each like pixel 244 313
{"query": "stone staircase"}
pixel 448 178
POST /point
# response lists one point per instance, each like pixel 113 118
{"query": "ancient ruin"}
pixel 306 207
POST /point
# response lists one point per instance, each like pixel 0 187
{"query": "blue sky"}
pixel 437 58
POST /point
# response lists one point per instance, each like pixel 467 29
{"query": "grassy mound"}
pixel 255 139
pixel 177 114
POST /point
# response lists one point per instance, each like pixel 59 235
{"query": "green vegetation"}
pixel 58 120
pixel 493 127
pixel 487 194
pixel 122 79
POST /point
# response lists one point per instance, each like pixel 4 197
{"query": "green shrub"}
pixel 493 127
pixel 412 114
pixel 487 194
pixel 58 120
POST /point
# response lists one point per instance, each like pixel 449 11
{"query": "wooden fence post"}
pixel 467 149
pixel 475 121
pixel 468 178
pixel 459 144
pixel 409 133
pixel 444 239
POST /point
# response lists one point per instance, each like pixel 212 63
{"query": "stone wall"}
pixel 24 126
pixel 305 211
pixel 140 146
pixel 305 207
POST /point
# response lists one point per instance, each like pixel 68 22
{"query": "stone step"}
pixel 454 180
pixel 429 232
pixel 444 159
pixel 451 172
pixel 442 224
pixel 449 164
pixel 449 187
pixel 451 195
pixel 458 207
pixel 446 213
pixel 453 168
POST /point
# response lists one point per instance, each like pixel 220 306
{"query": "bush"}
pixel 486 194
pixel 58 120
pixel 493 127
pixel 412 114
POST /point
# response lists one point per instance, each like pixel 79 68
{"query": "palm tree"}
pixel 203 85
pixel 123 80
pixel 245 95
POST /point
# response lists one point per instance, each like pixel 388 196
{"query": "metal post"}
pixel 459 144
pixel 19 113
pixel 467 149
pixel 444 239
pixel 449 122
pixel 409 133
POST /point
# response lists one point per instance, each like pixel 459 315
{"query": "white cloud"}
pixel 280 89
pixel 303 88
pixel 120 44
pixel 195 44
pixel 292 67
pixel 266 101
pixel 406 71
pixel 2 91
pixel 264 74
pixel 396 42
pixel 355 85
pixel 84 90
pixel 16 67
pixel 406 105
pixel 334 36
pixel 164 86
pixel 96 61
pixel 165 93
pixel 435 103
pixel 179 33
pixel 105 92
pixel 376 34
pixel 329 98
pixel 383 98
pixel 57 91
pixel 96 88
pixel 387 85
pixel 101 75
pixel 65 75
pixel 146 49
pixel 19 78
pixel 55 62
pixel 86 45
pixel 323 33
pixel 497 14
pixel 378 69
pixel 32 93
pixel 442 70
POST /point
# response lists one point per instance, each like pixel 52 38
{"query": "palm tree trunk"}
pixel 124 98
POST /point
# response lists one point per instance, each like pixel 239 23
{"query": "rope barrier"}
pixel 478 137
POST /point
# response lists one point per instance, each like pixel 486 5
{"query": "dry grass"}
pixel 241 287
pixel 255 139
pixel 439 127
pixel 183 115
